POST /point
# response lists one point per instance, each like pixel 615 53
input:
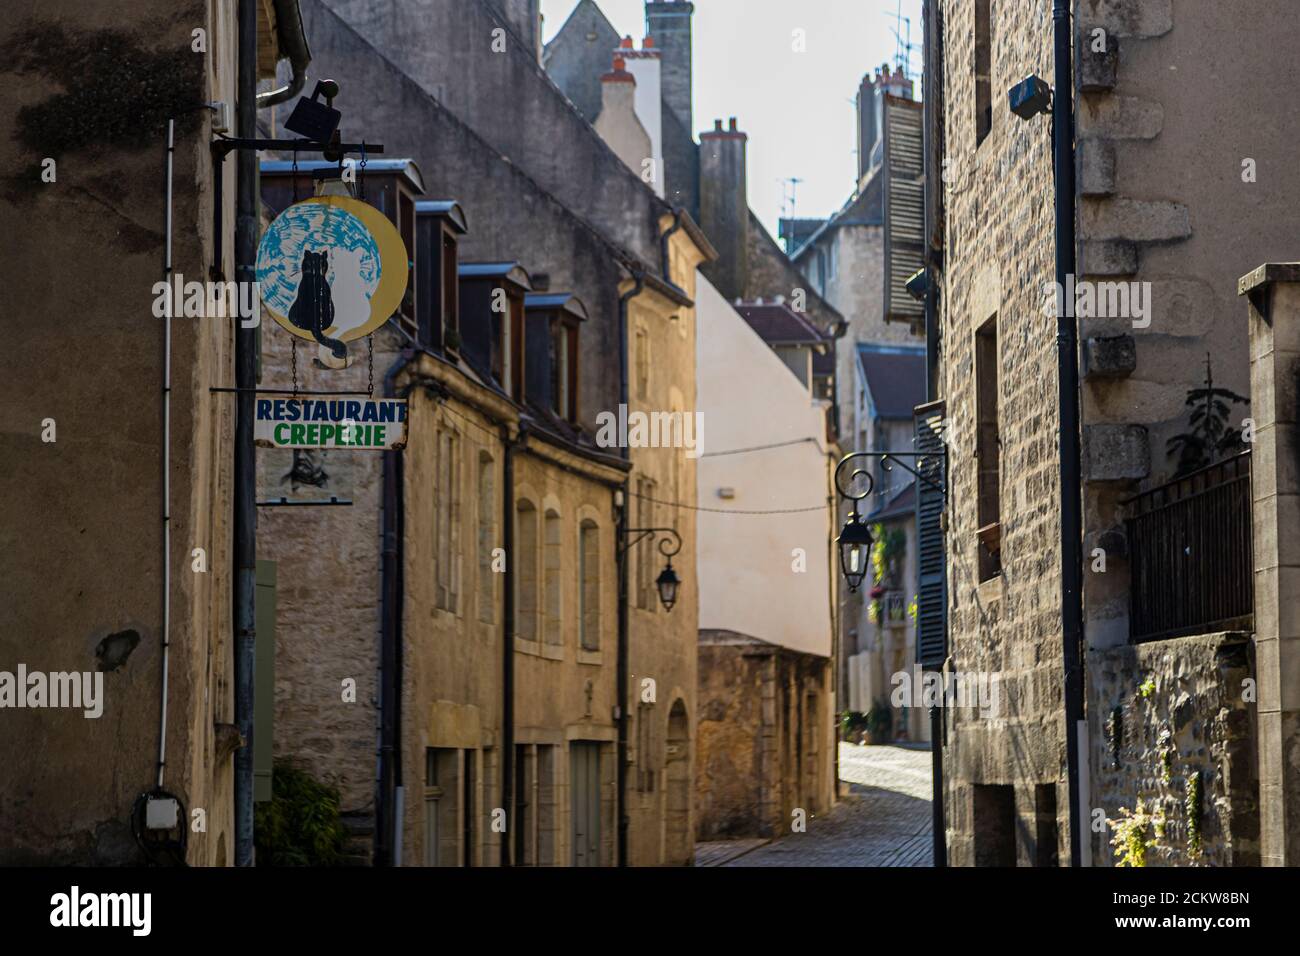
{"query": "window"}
pixel 589 586
pixel 508 330
pixel 440 811
pixel 487 538
pixel 447 522
pixel 645 763
pixel 642 363
pixel 983 71
pixel 450 283
pixel 406 226
pixel 994 824
pixel 553 584
pixel 525 576
pixel 1045 833
pixel 645 574
pixel 563 360
pixel 988 450
pixel 534 805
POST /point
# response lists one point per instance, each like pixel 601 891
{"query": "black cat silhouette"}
pixel 313 309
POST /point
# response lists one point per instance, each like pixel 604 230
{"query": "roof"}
pixel 778 324
pixel 511 271
pixel 447 209
pixel 866 207
pixel 550 301
pixel 895 378
pixel 901 505
pixel 407 168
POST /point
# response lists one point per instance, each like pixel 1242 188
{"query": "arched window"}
pixel 553 583
pixel 589 586
pixel 487 537
pixel 525 573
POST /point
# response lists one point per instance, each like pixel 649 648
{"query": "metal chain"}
pixel 294 362
pixel 370 341
pixel 295 176
pixel 361 175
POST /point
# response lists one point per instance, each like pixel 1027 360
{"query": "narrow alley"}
pixel 883 818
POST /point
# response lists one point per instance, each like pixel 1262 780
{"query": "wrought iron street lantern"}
pixel 667 583
pixel 670 545
pixel 855 484
pixel 855 550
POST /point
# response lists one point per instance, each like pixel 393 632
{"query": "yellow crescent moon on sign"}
pixel 394 268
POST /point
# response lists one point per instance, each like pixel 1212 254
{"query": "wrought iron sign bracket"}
pixel 666 546
pixel 224 145
pixel 888 459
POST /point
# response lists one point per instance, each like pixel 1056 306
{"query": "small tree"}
pixel 1211 438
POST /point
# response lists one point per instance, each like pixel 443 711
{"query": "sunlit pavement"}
pixel 883 818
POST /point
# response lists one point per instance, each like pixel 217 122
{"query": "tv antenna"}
pixel 789 195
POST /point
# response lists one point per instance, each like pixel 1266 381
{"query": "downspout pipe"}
pixel 508 638
pixel 1067 362
pixel 293 41
pixel 933 263
pixel 624 655
pixel 245 487
pixel 388 825
pixel 663 245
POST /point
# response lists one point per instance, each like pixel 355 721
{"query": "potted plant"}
pixel 853 725
pixel 879 723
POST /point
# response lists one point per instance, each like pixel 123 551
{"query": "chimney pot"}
pixel 626 43
pixel 732 124
pixel 717 125
pixel 648 43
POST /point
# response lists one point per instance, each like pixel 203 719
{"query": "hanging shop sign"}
pixel 332 270
pixel 365 424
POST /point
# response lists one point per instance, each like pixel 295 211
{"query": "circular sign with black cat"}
pixel 332 270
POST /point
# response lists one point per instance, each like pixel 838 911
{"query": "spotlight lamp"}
pixel 1030 97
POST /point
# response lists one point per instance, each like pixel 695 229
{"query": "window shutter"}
pixel 264 680
pixel 932 586
pixel 904 203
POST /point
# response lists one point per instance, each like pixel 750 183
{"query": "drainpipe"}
pixel 933 264
pixel 663 245
pixel 293 40
pixel 388 802
pixel 245 490
pixel 508 636
pixel 624 657
pixel 1067 362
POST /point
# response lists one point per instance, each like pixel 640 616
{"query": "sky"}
pixel 796 107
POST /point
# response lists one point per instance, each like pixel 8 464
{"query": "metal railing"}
pixel 1190 554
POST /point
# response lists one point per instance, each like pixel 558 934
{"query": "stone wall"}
pixel 763 748
pixel 1169 718
pixel 1000 238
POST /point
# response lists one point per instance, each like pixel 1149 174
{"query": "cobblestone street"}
pixel 883 819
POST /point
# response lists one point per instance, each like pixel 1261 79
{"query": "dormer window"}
pixel 492 321
pixel 439 226
pixel 554 320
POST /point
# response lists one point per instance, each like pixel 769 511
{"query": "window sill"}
pixel 553 652
pixel 594 658
pixel 523 646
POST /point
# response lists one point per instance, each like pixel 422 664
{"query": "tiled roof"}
pixel 778 324
pixel 895 377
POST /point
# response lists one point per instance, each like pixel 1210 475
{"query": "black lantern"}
pixel 667 584
pixel 855 550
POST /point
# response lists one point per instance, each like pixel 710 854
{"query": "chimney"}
pixel 868 130
pixel 897 84
pixel 724 206
pixel 645 65
pixel 669 22
pixel 525 18
pixel 617 123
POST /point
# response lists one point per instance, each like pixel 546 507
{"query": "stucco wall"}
pixel 82 528
pixel 749 398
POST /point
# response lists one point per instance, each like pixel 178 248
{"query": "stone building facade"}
pixel 1159 214
pixel 84 554
pixel 556 733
